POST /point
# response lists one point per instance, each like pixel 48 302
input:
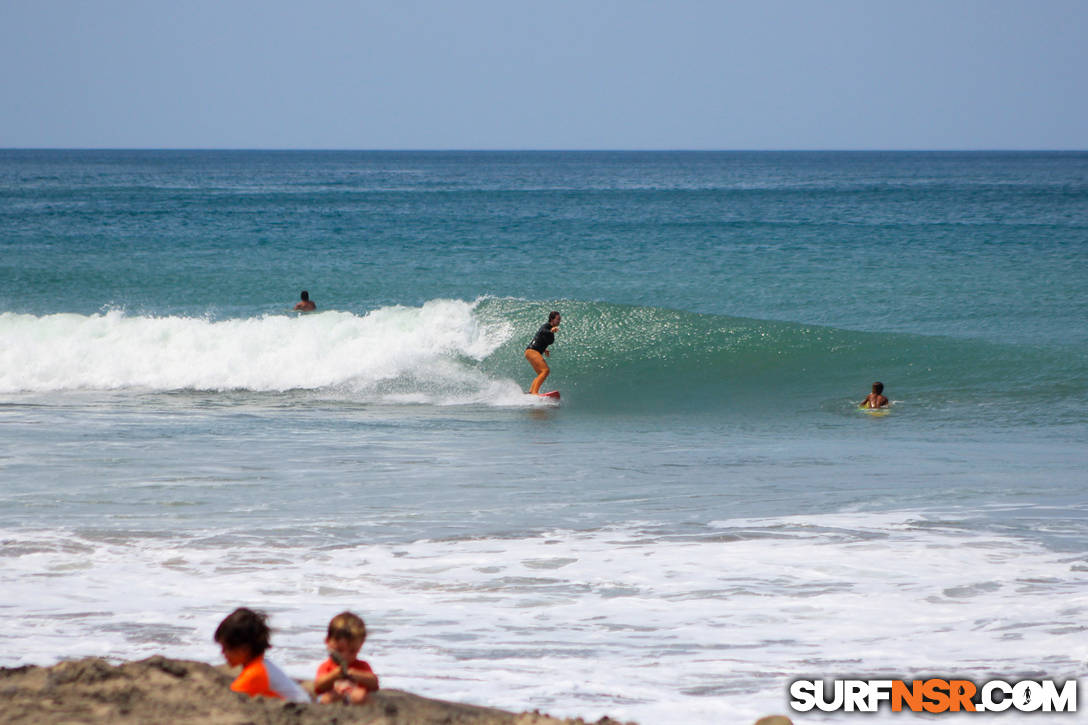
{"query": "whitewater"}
pixel 113 351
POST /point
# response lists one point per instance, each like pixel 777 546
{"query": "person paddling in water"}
pixel 876 398
pixel 538 349
pixel 305 304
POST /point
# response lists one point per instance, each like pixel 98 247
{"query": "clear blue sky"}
pixel 547 74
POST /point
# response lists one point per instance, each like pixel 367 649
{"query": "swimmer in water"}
pixel 538 349
pixel 305 304
pixel 876 398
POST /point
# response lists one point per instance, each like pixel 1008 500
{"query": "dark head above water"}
pixel 305 305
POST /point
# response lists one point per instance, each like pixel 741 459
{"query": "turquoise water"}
pixel 706 497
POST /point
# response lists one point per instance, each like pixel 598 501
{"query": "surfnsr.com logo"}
pixel 933 695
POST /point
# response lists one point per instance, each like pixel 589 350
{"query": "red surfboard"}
pixel 550 394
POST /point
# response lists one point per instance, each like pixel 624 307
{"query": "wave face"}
pixel 616 357
pixel 606 358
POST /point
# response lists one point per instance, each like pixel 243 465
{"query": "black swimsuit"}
pixel 544 337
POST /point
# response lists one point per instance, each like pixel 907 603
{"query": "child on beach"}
pixel 244 636
pixel 875 399
pixel 343 677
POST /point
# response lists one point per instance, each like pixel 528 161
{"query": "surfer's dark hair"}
pixel 878 388
pixel 244 628
pixel 552 315
pixel 305 296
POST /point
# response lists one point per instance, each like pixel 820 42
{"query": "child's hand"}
pixel 339 659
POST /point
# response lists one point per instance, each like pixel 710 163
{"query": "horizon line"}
pixel 543 150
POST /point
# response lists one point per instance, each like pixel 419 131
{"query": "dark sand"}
pixel 161 690
pixel 182 692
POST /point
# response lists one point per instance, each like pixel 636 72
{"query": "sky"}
pixel 548 74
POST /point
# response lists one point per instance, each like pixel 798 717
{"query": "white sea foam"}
pixel 615 621
pixel 395 353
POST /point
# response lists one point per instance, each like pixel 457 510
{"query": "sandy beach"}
pixel 159 689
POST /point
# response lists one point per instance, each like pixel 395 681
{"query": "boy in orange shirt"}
pixel 244 636
pixel 343 676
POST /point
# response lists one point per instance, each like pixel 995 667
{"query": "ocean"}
pixel 705 518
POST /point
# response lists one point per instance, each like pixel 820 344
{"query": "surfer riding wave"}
pixel 538 349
